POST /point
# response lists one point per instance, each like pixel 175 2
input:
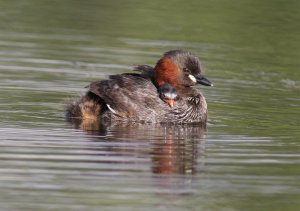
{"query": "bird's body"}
pixel 136 97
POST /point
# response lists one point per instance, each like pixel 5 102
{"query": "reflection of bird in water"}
pixel 178 153
pixel 170 153
pixel 142 97
pixel 172 149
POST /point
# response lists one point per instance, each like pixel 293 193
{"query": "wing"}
pixel 127 95
pixel 145 70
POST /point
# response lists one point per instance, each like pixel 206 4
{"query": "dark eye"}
pixel 186 70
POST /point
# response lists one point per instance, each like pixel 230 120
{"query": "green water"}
pixel 247 160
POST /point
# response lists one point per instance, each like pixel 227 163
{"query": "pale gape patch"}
pixel 192 78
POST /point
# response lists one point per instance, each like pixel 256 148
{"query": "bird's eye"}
pixel 186 70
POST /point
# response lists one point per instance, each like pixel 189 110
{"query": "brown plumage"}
pixel 136 96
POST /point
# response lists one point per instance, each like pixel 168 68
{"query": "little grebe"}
pixel 143 97
pixel 167 93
